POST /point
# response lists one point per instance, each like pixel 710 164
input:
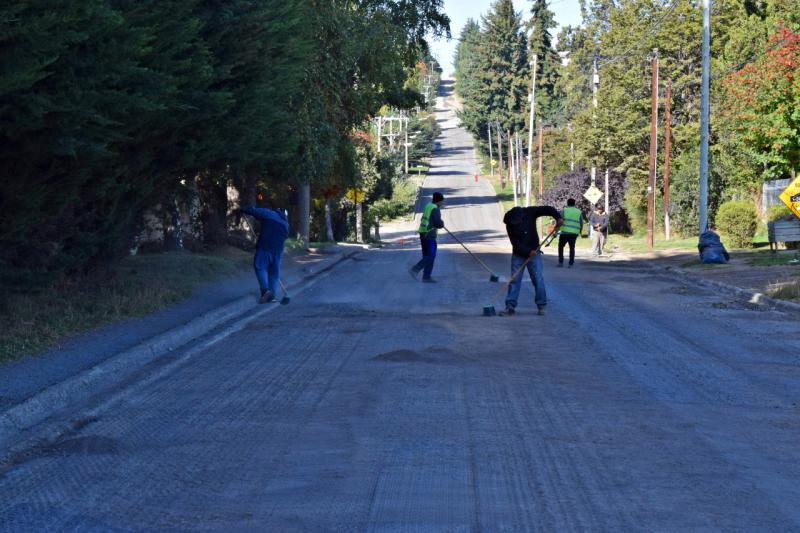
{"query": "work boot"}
pixel 266 297
pixel 414 273
pixel 509 311
pixel 428 280
pixel 540 310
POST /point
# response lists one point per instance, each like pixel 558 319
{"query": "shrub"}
pixel 737 221
pixel 779 212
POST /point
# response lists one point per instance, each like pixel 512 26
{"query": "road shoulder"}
pixel 34 387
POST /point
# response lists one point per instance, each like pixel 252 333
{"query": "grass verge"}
pixel 505 195
pixel 638 243
pixel 136 286
pixel 786 291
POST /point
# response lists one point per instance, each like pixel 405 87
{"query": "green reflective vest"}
pixel 424 224
pixel 572 220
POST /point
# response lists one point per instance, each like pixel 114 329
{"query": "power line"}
pixel 655 27
pixel 756 57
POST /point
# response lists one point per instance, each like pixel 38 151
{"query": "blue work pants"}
pixel 428 256
pixel 534 267
pixel 268 270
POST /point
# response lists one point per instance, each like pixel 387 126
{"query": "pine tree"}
pixel 549 102
pixel 467 83
pixel 503 70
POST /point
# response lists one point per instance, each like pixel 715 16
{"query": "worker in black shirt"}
pixel 521 228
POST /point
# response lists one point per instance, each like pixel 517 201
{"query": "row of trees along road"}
pixel 111 107
pixel 755 98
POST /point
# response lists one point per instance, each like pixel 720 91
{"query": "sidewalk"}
pixel 136 342
pixel 743 274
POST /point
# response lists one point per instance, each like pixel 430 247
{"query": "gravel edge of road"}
pixel 754 297
pixel 36 409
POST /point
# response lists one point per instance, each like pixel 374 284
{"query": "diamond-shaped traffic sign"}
pixel 593 194
pixel 791 196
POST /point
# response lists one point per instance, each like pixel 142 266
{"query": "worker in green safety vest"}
pixel 429 224
pixel 573 224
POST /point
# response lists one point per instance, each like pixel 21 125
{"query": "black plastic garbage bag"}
pixel 711 249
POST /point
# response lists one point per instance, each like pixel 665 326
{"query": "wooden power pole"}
pixel 667 144
pixel 651 183
pixel 491 159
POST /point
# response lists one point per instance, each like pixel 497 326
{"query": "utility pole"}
pixel 510 157
pixel 607 202
pixel 305 213
pixel 667 144
pixel 520 159
pixel 651 184
pixel 571 148
pixel 530 131
pixel 491 159
pixel 500 154
pixel 380 132
pixel 595 86
pixel 406 142
pixel 541 144
pixel 511 169
pixel 541 191
pixel 704 112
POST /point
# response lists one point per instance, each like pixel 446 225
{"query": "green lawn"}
pixel 764 257
pixel 136 286
pixel 638 243
pixel 505 195
pixel 296 245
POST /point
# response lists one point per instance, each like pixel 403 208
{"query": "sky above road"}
pixel 567 12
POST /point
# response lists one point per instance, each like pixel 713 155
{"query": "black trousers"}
pixel 563 240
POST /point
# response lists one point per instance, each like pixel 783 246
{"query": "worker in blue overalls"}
pixel 269 249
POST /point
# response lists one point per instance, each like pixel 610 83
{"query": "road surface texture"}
pixel 377 403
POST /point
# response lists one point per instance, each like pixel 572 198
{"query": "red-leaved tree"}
pixel 762 105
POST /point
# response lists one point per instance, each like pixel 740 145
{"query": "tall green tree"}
pixel 549 98
pixel 503 70
pixel 467 83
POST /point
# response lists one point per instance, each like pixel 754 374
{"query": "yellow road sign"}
pixel 355 195
pixel 791 196
pixel 593 194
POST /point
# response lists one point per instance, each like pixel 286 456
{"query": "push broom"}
pixel 494 278
pixel 488 309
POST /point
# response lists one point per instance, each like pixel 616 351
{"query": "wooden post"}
pixel 651 184
pixel 489 132
pixel 667 144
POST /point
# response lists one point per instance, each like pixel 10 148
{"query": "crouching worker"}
pixel 521 228
pixel 269 249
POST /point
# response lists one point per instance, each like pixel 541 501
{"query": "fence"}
pixel 769 193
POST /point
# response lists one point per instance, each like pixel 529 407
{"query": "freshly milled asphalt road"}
pixel 373 402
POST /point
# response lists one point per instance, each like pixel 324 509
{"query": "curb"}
pixel 38 407
pixel 755 297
